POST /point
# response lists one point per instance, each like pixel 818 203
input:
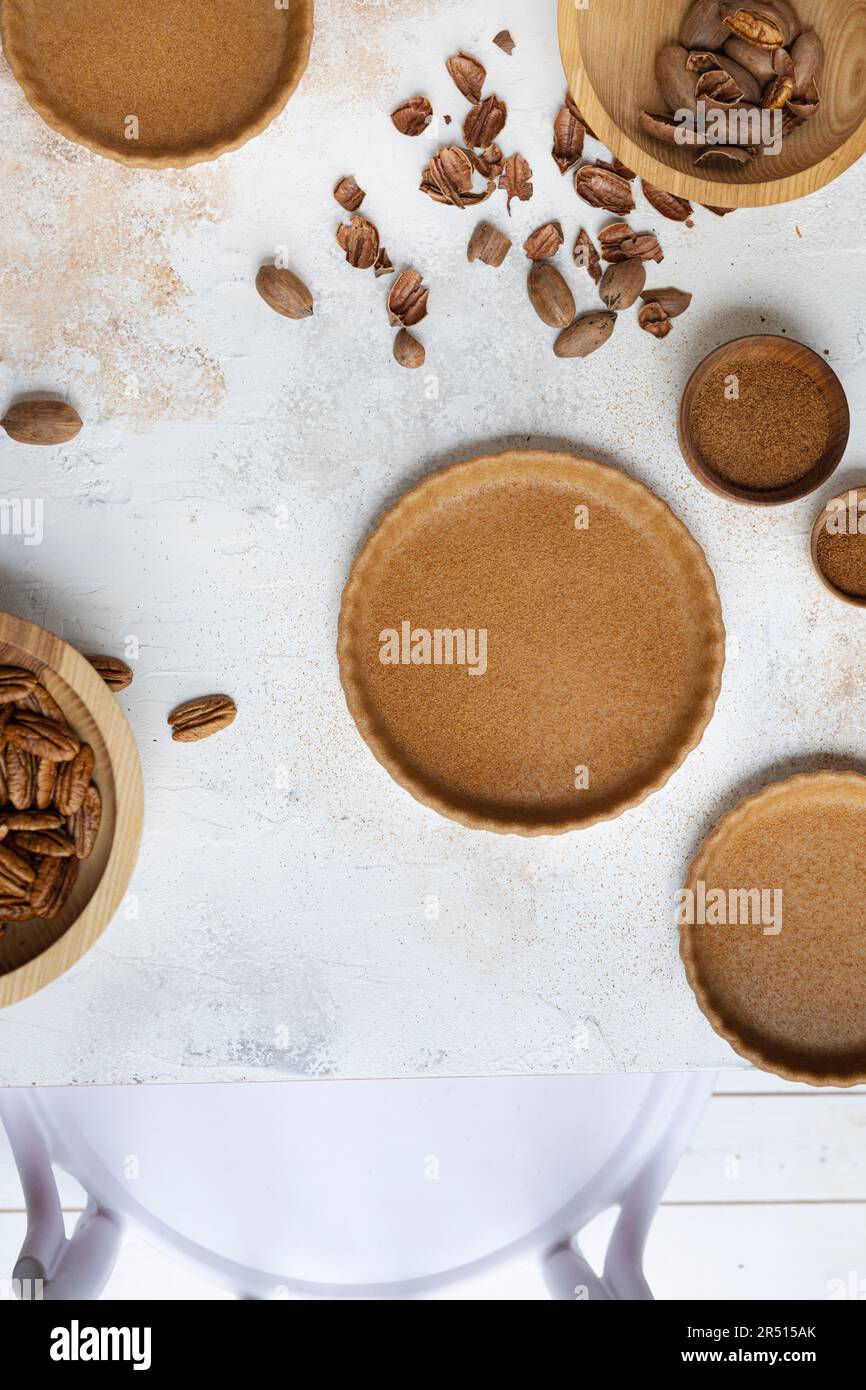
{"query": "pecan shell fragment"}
pixel 602 188
pixel 654 319
pixel 586 256
pixel 359 239
pixel 544 242
pixel 468 75
pixel 349 193
pixel 516 179
pixel 407 302
pixel 412 117
pixel 488 244
pixel 568 137
pixel 484 122
pixel 668 204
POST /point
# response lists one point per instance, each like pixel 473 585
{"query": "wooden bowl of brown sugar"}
pixel 839 546
pixel 763 420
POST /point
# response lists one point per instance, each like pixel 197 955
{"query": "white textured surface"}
pixel 231 465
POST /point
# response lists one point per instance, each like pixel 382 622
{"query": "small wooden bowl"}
pixel 768 348
pixel 608 52
pixel 820 522
pixel 32 954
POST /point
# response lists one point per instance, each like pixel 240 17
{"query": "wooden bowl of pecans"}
pixel 71 806
pixel 630 79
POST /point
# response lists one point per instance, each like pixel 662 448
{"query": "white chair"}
pixel 353 1190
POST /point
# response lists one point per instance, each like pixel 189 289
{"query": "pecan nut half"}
pixel 83 827
pixel 16 873
pixel 197 719
pixel 73 779
pixel 44 738
pixel 116 674
pixel 16 683
pixel 31 820
pixel 55 879
pixel 20 777
pixel 51 844
pixel 46 778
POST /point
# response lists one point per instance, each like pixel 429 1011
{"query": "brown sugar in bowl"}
pixel 848 567
pixel 200 77
pixel 35 953
pixel 608 53
pixel 778 356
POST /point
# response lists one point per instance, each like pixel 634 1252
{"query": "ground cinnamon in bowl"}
pixel 763 420
pixel 760 424
pixel 839 546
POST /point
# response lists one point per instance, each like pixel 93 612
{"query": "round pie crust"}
pixel 200 77
pixel 604 642
pixel 791 1001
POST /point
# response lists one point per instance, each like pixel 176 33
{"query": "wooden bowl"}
pixel 859 494
pixel 32 954
pixel 608 52
pixel 768 348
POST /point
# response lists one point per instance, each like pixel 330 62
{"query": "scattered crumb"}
pixel 797 230
pixel 504 41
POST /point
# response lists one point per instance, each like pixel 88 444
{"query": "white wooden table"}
pixel 295 913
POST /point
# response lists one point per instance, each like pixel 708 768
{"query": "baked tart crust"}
pixel 792 1001
pixel 604 642
pixel 200 77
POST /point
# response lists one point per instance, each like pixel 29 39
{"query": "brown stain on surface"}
pixel 89 298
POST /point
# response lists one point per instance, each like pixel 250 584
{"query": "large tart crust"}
pixel 201 76
pixel 606 644
pixel 794 1002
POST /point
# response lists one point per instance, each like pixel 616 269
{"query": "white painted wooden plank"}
pixel 758 1147
pixel 752 1252
pixel 760 1252
pixel 790 1147
pixel 751 1082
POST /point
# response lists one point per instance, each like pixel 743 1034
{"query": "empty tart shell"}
pixel 531 642
pixel 787 992
pixel 158 83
